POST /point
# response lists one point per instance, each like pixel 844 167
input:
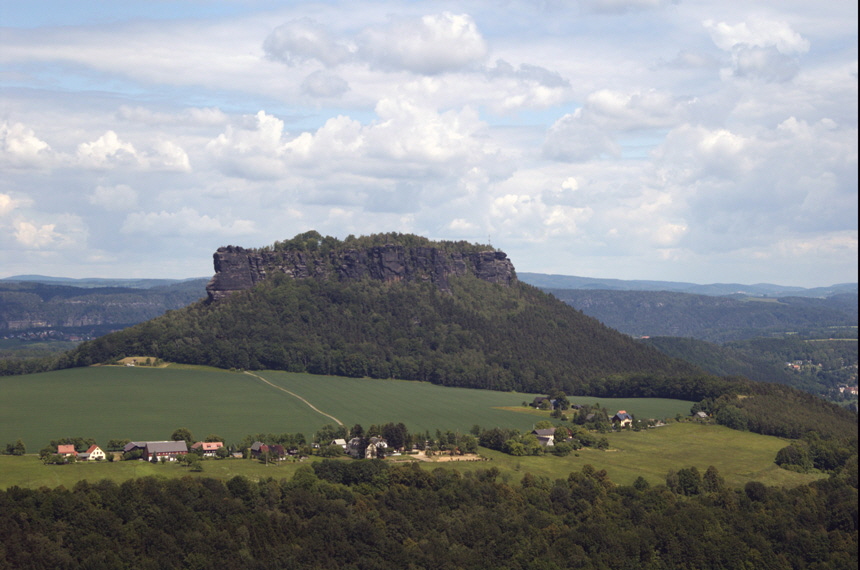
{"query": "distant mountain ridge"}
pixel 38 306
pixel 549 281
pixel 709 317
pixel 93 282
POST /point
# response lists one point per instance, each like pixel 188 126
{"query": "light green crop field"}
pixel 142 403
pixel 740 457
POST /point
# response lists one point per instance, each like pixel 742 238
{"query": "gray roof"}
pixel 132 445
pixel 166 447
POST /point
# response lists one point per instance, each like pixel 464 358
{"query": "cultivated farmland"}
pixel 111 402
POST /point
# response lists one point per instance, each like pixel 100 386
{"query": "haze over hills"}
pixel 546 281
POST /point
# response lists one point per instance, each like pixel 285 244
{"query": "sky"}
pixel 706 141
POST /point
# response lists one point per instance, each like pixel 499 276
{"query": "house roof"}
pixel 622 415
pixel 166 447
pixel 338 442
pixel 92 448
pixel 132 445
pixel 63 449
pixel 208 445
pixel 258 446
pixel 544 432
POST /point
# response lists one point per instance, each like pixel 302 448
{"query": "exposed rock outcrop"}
pixel 237 268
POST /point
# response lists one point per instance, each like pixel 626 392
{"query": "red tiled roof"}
pixel 66 449
pixel 208 445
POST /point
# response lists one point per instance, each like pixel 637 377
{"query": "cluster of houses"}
pixel 150 450
pixel 171 450
pixel 93 453
pixel 355 447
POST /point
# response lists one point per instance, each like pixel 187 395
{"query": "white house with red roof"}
pixel 93 453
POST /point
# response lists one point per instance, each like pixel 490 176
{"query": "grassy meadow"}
pixel 739 456
pixel 146 403
pixel 142 403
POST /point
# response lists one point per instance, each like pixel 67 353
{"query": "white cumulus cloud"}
pixel 432 44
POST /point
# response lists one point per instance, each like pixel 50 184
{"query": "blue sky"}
pixel 702 141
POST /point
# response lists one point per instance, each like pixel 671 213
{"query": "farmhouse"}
pixel 340 442
pixel 374 447
pixel 546 437
pixel 209 448
pixel 258 448
pixel 67 450
pixel 622 418
pixel 167 450
pixel 93 453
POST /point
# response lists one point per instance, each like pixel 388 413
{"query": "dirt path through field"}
pixel 294 395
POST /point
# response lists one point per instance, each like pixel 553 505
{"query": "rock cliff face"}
pixel 237 268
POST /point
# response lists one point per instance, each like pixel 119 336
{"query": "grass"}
pixel 143 403
pixel 28 471
pixel 738 456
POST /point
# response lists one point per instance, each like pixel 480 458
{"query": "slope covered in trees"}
pixel 711 318
pixel 30 306
pixel 481 335
pixel 816 366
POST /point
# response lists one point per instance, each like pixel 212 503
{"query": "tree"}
pixel 733 417
pixel 213 437
pixel 561 401
pixel 182 434
pixel 713 482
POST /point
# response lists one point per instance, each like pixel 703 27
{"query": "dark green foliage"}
pixel 824 364
pixel 715 319
pixel 368 515
pixel 481 336
pixel 17 448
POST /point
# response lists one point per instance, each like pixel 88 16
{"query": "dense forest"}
pixel 482 335
pixel 371 515
pixel 815 366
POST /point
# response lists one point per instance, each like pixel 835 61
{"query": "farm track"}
pixel 293 394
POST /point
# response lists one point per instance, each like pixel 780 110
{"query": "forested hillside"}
pixel 711 318
pixel 817 366
pixel 481 335
pixel 30 307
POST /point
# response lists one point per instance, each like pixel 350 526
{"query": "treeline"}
pixel 369 515
pixel 314 242
pixel 481 336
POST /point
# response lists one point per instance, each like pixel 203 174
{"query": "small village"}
pixel 388 441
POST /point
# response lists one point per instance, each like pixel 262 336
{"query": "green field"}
pixel 141 403
pixel 739 456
